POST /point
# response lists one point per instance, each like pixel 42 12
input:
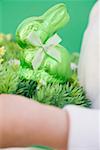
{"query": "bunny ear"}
pixel 34 39
pixel 54 53
pixel 38 59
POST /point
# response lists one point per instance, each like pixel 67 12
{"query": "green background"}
pixel 12 12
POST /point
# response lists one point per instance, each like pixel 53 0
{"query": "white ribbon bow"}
pixel 47 48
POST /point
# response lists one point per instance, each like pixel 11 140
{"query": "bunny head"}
pixel 45 25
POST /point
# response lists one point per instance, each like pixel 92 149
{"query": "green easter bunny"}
pixel 42 51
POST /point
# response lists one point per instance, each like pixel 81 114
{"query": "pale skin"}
pixel 24 123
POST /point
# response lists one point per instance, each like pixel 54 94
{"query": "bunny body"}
pixel 89 64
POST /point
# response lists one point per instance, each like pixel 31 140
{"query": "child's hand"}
pixel 24 122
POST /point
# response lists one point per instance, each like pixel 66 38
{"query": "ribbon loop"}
pixel 53 41
pixel 34 39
